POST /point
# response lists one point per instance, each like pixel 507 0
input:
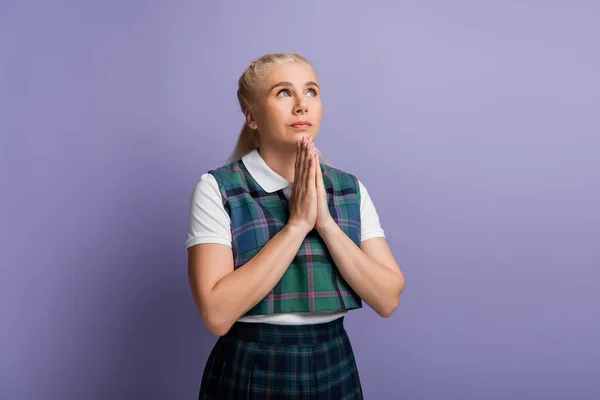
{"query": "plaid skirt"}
pixel 266 361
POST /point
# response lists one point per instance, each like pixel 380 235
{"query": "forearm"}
pixel 242 289
pixel 377 285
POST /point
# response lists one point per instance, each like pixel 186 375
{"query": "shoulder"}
pixel 341 176
pixel 206 187
pixel 209 221
pixel 227 169
pixel 214 183
pixel 346 178
pixel 228 175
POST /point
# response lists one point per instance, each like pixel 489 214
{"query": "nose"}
pixel 301 107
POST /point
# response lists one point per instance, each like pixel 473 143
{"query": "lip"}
pixel 300 124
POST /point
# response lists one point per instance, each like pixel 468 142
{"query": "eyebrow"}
pixel 286 84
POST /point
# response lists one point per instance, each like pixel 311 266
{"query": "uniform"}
pixel 292 344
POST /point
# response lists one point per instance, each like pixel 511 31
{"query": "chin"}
pixel 300 133
pixel 296 134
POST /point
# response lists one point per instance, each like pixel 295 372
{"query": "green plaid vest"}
pixel 312 283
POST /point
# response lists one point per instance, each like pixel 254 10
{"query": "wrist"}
pixel 298 228
pixel 326 226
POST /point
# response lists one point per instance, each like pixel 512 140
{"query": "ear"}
pixel 250 119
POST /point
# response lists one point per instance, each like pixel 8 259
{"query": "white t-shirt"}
pixel 210 223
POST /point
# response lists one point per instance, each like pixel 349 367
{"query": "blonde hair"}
pixel 248 90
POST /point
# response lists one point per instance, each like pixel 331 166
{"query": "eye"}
pixel 313 91
pixel 283 91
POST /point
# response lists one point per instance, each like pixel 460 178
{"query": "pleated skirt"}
pixel 265 361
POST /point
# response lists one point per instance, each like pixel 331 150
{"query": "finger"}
pixel 307 162
pixel 310 157
pixel 308 151
pixel 319 172
pixel 303 164
pixel 321 182
pixel 311 172
pixel 301 157
pixel 297 163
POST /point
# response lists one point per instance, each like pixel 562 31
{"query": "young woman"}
pixel 281 246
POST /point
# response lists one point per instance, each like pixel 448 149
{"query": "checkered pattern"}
pixel 312 283
pixel 292 362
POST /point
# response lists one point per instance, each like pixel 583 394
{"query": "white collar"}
pixel 268 179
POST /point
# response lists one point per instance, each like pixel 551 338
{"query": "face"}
pixel 289 105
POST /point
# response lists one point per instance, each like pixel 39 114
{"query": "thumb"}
pixel 320 184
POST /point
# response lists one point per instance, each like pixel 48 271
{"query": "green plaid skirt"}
pixel 266 361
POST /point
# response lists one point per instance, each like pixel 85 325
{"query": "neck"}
pixel 280 159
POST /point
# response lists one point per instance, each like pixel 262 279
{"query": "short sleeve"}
pixel 369 220
pixel 209 221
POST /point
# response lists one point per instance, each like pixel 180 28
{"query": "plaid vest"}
pixel 312 283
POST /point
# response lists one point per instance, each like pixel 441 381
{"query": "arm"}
pixel 370 270
pixel 223 294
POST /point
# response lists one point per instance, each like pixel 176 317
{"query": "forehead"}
pixel 293 72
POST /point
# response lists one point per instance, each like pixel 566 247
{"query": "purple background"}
pixel 474 125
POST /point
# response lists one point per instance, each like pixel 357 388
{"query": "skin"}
pixel 279 105
pixel 290 93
